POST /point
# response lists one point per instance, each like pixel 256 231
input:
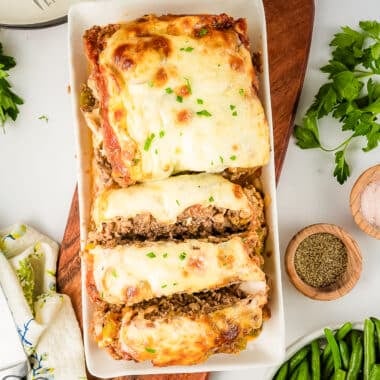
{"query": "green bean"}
pixel 375 372
pixel 342 332
pixel 340 374
pixel 344 353
pixel 294 374
pixel 282 373
pixel 303 370
pixel 298 357
pixel 315 361
pixel 356 360
pixel 328 368
pixel 377 326
pixel 334 349
pixel 354 335
pixel 369 348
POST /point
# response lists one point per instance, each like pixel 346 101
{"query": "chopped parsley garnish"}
pixel 168 90
pixel 164 286
pixel 148 141
pixel 165 255
pixel 43 117
pixel 151 255
pixel 156 151
pixel 221 159
pixel 150 350
pixel 219 65
pixel 199 101
pixel 233 158
pixel 187 49
pixel 211 199
pixel 234 113
pixel 177 201
pixel 232 107
pixel 161 134
pixel 204 113
pixel 241 91
pixel 182 256
pixel 179 99
pixel 114 273
pixel 150 84
pixel 188 85
pixel 202 32
pixel 175 283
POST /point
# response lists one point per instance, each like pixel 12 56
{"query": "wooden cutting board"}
pixel 289 26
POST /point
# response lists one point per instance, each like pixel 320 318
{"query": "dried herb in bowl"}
pixel 321 260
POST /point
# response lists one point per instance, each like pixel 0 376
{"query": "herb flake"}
pixel 179 99
pixel 199 101
pixel 44 118
pixel 151 255
pixel 150 350
pixel 204 113
pixel 202 32
pixel 182 256
pixel 211 199
pixel 168 90
pixel 187 49
pixel 148 141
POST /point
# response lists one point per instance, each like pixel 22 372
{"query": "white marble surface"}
pixel 37 165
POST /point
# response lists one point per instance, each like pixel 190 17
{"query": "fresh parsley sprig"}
pixel 352 94
pixel 9 101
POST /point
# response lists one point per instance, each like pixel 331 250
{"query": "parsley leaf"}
pixel 182 256
pixel 199 101
pixel 307 135
pixel 151 255
pixel 348 96
pixel 9 101
pixel 342 171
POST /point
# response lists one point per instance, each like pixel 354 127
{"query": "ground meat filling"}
pixel 190 305
pixel 194 222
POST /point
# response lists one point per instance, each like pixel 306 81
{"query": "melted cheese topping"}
pixel 166 199
pixel 132 273
pixel 179 99
pixel 189 340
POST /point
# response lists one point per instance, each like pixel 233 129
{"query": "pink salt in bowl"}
pixel 365 201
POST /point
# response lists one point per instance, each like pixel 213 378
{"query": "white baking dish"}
pixel 269 348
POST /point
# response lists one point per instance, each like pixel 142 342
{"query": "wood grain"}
pixel 289 27
pixel 338 288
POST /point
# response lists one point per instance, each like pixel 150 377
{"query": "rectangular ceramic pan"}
pixel 269 348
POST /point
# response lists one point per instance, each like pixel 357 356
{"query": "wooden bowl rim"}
pixel 372 174
pixel 354 262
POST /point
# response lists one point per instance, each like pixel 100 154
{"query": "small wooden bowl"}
pixel 345 283
pixel 370 175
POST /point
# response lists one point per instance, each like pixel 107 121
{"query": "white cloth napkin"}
pixel 45 319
